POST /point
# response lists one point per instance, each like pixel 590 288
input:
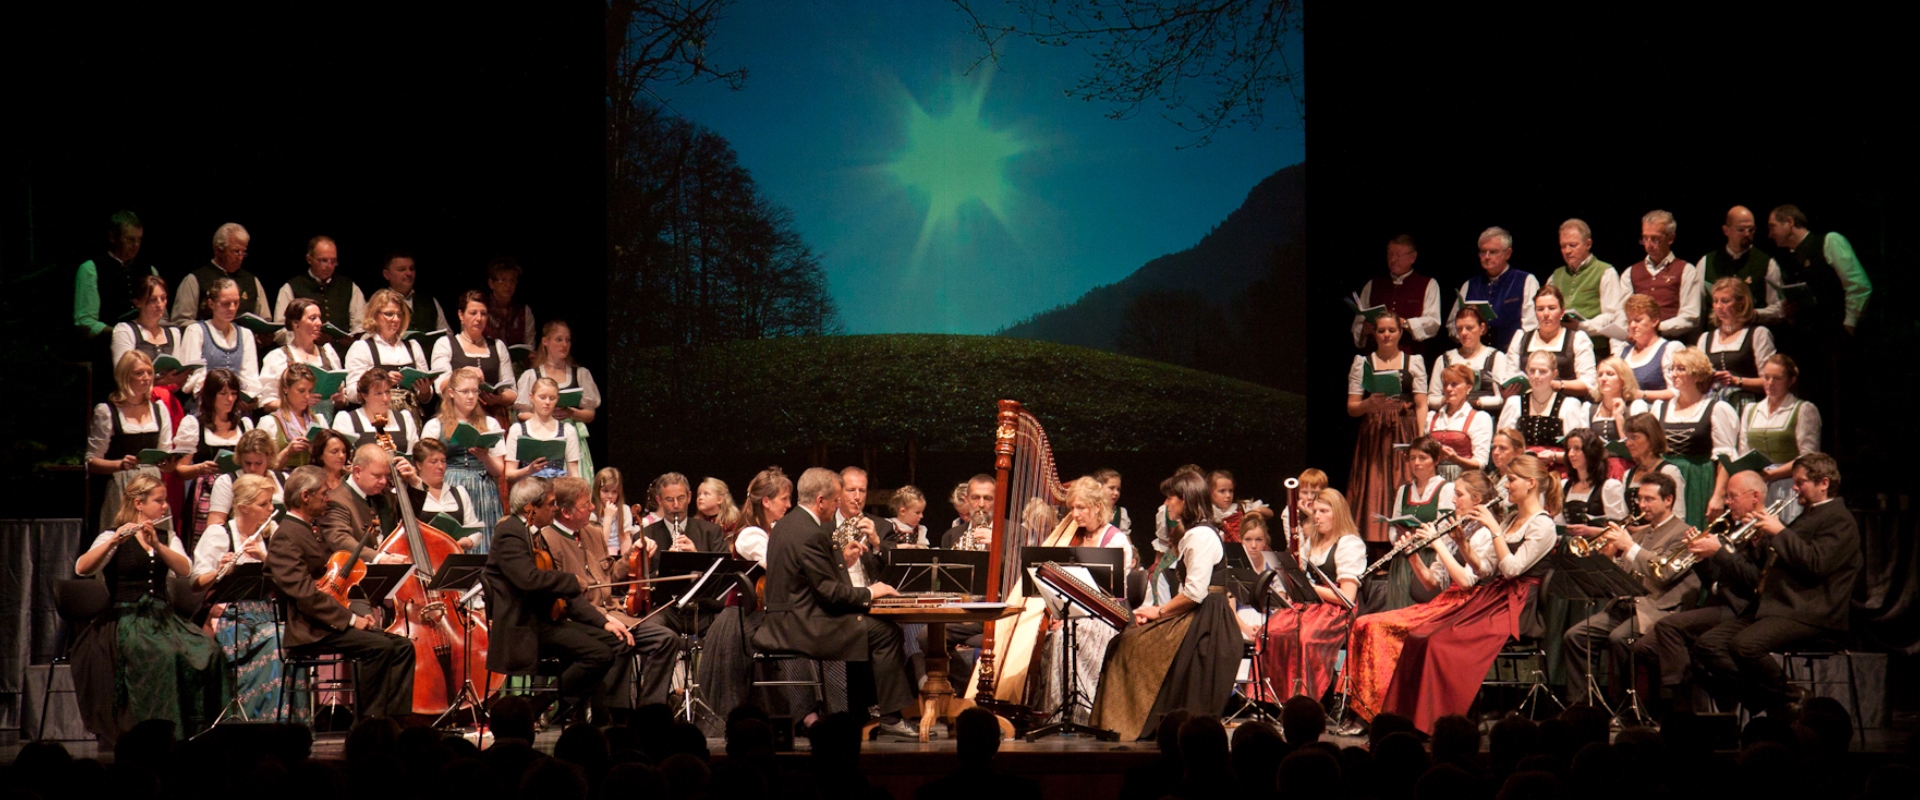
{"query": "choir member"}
pixel 255 454
pixel 1670 282
pixel 376 414
pixel 1181 655
pixel 1698 428
pixel 341 303
pixel 1445 658
pixel 909 506
pixel 1646 441
pixel 403 276
pixel 470 347
pixel 217 343
pixel 1782 427
pixel 139 660
pixel 333 455
pixel 291 423
pixel 229 258
pixel 435 496
pixel 316 622
pixel 542 427
pixel 1227 514
pixel 1426 497
pixel 1743 262
pixel 1303 643
pixel 1590 287
pixel 1110 478
pixel 246 630
pixel 477 468
pixel 1572 351
pixel 1489 367
pixel 303 347
pixel 1589 493
pixel 508 319
pixel 1616 623
pixel 99 283
pixel 1388 418
pixel 1645 351
pixel 385 345
pixel 1464 433
pixel 1507 291
pixel 1806 590
pixel 1545 413
pixel 1464 556
pixel 1736 346
pixel 1618 399
pixel 1837 288
pixel 1413 296
pixel 554 359
pixel 129 422
pixel 216 425
pixel 714 503
pixel 611 513
pixel 149 333
pixel 1088 512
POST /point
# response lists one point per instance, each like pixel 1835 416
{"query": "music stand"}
pixel 1591 581
pixel 382 581
pixel 246 582
pixel 1106 565
pixel 1294 587
pixel 461 572
pixel 717 572
pixel 1071 697
pixel 916 570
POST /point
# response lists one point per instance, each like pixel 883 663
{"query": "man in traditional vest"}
pixel 229 253
pixel 103 288
pixel 340 301
pixel 1414 297
pixel 1740 259
pixel 1590 286
pixel 1509 291
pixel 1837 288
pixel 402 277
pixel 1671 282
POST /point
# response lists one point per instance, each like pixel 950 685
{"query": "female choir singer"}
pixel 303 347
pixel 385 345
pixel 1646 452
pixel 139 660
pixel 1698 427
pixel 476 468
pixel 1544 414
pixel 1588 492
pixel 470 347
pixel 1736 346
pixel 377 415
pixel 1487 367
pixel 1618 399
pixel 255 455
pixel 294 419
pixel 1388 418
pixel 149 333
pixel 554 359
pixel 437 496
pixel 1303 643
pixel 1571 350
pixel 1782 427
pixel 1183 654
pixel 216 425
pixel 542 427
pixel 1464 433
pixel 130 422
pixel 1648 354
pixel 217 343
pixel 1427 497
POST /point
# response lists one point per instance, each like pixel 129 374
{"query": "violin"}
pixel 640 595
pixel 345 570
pixel 543 559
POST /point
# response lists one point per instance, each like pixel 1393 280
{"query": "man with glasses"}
pixel 1508 291
pixel 229 253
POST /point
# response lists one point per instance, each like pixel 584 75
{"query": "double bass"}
pixel 449 644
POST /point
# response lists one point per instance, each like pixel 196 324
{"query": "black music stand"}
pixel 1071 697
pixel 915 570
pixel 718 573
pixel 1595 581
pixel 382 581
pixel 246 582
pixel 461 572
pixel 1107 565
pixel 1295 589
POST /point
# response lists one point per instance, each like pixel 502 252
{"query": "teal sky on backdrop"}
pixel 943 201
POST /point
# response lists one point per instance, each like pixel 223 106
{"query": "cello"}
pixel 449 645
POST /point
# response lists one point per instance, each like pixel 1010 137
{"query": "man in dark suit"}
pixel 676 531
pixel 577 549
pixel 1733 576
pixel 316 623
pixel 979 505
pixel 1806 591
pixel 361 505
pixel 1619 623
pixel 521 598
pixel 814 609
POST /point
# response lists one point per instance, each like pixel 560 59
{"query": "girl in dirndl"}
pixel 1427 497
pixel 1383 389
pixel 1304 643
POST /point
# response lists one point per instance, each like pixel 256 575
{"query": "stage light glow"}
pixel 955 160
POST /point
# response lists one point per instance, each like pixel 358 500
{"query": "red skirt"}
pixel 1377 642
pixel 1378 469
pixel 1445 659
pixel 1301 648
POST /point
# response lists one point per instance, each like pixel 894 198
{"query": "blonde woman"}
pixel 1617 398
pixel 475 469
pixel 245 630
pixel 1698 428
pixel 255 456
pixel 294 419
pixel 130 422
pixel 385 345
pixel 1088 513
pixel 1736 346
pixel 554 359
pixel 542 427
pixel 1303 643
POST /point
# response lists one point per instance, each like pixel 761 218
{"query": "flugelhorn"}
pixel 970 542
pixel 1678 559
pixel 1584 546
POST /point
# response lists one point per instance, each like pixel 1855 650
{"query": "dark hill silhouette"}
pixel 1212 305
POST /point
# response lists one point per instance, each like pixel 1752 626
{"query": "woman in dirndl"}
pixel 215 425
pixel 1383 389
pixel 1544 413
pixel 1781 426
pixel 1736 346
pixel 1464 433
pixel 1698 427
pixel 244 629
pixel 1617 399
pixel 1427 497
pixel 1303 643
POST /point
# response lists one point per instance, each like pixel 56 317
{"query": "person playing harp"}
pixel 1087 525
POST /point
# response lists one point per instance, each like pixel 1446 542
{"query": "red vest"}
pixel 1408 299
pixel 1664 288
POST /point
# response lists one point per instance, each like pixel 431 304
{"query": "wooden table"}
pixel 937 696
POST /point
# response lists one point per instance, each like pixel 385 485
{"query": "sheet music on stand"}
pixel 716 571
pixel 1590 579
pixel 1290 584
pixel 459 572
pixel 1099 567
pixel 382 581
pixel 246 582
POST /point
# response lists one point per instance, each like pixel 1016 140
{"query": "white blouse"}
pixel 271 423
pixel 1538 536
pixel 190 434
pixel 1573 412
pixel 589 391
pixel 442 360
pixel 451 498
pixel 431 430
pixel 1760 416
pixel 173 543
pixel 1583 361
pixel 1200 550
pixel 360 359
pixel 192 351
pixel 343 422
pixel 222 501
pixel 1477 425
pixel 216 541
pixel 751 543
pixel 100 431
pixel 126 336
pixel 1596 408
pixel 1762 345
pixel 531 428
pixel 1426 493
pixel 1349 557
pixel 1613 501
pixel 1501 368
pixel 275 365
pixel 1726 421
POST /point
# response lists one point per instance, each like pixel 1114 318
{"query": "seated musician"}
pixel 1617 623
pixel 1734 575
pixel 1090 515
pixel 1227 514
pixel 814 609
pixel 573 541
pixel 679 532
pixel 853 511
pixel 1304 642
pixel 979 506
pixel 540 613
pixel 317 622
pixel 1805 591
pixel 1181 654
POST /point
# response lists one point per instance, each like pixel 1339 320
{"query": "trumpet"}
pixel 1585 546
pixel 970 542
pixel 1678 558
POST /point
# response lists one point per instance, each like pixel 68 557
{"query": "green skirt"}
pixel 167 669
pixel 1698 471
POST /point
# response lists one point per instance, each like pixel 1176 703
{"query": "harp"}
pixel 1025 480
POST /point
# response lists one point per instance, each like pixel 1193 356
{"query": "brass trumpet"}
pixel 1678 558
pixel 1584 546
